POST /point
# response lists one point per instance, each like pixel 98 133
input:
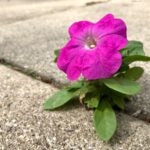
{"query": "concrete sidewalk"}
pixel 29 44
pixel 25 125
pixel 29 32
pixel 13 11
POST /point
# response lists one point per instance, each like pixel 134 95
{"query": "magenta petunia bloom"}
pixel 93 49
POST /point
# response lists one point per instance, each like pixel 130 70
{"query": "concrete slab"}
pixel 139 106
pixel 12 11
pixel 25 125
pixel 30 44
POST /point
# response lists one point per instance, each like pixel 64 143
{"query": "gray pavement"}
pixel 18 41
pixel 18 10
pixel 29 44
pixel 29 32
pixel 25 125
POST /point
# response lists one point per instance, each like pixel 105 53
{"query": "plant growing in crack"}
pixel 101 54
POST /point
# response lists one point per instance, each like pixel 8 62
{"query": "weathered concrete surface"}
pixel 25 125
pixel 139 106
pixel 12 11
pixel 29 44
pixel 18 41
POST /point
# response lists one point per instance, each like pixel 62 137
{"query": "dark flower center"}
pixel 91 42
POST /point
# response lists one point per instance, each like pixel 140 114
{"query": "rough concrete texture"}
pixel 29 44
pixel 18 41
pixel 25 125
pixel 11 11
pixel 139 106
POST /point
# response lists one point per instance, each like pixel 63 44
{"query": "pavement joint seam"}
pixel 31 73
pixel 37 76
pixel 88 4
pixel 41 15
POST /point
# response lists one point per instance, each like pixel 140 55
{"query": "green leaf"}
pixel 134 73
pixel 93 103
pixel 133 48
pixel 87 88
pixel 75 86
pixel 56 52
pixel 55 60
pixel 122 85
pixel 123 68
pixel 130 59
pixel 119 101
pixel 105 120
pixel 58 99
pixel 91 100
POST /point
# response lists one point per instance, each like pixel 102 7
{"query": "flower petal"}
pixel 103 67
pixel 67 53
pixel 105 60
pixel 113 41
pixel 91 66
pixel 110 25
pixel 111 64
pixel 75 67
pixel 80 29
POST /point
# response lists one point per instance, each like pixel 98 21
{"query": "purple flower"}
pixel 93 49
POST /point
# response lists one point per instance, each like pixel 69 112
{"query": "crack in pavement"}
pixel 136 114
